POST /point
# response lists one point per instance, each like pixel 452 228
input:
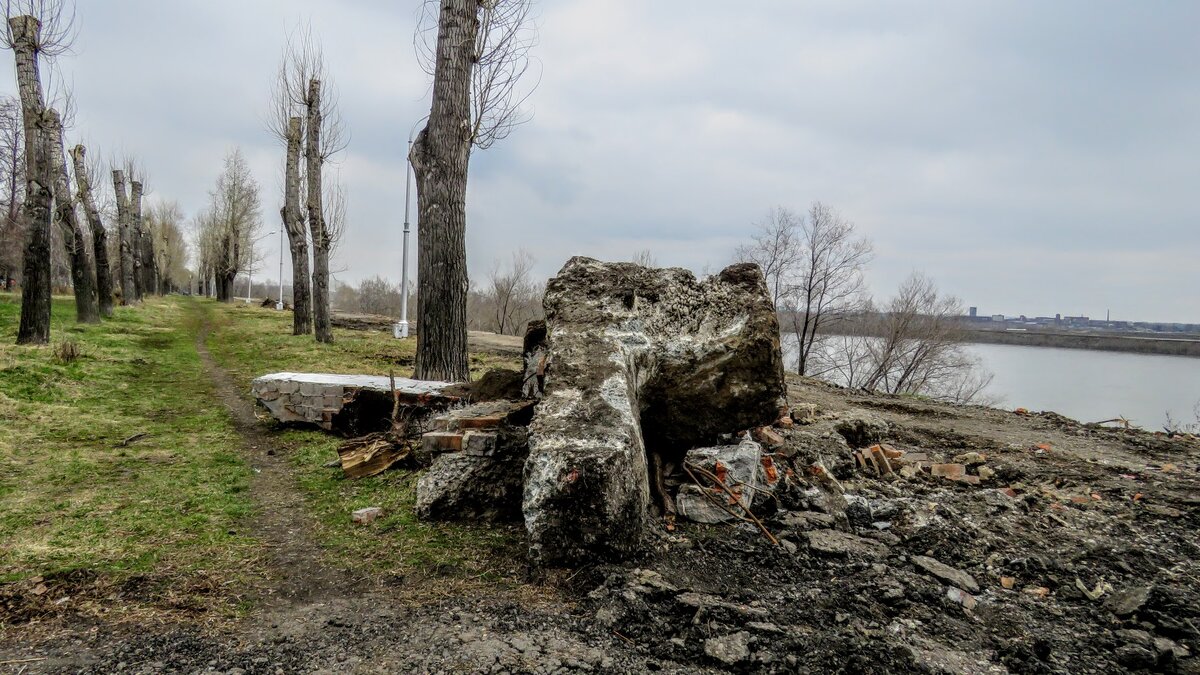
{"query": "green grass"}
pixel 251 341
pixel 171 510
pixel 170 505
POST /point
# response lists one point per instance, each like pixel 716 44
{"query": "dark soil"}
pixel 1102 512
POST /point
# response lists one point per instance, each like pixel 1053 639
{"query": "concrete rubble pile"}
pixel 635 373
pixel 638 363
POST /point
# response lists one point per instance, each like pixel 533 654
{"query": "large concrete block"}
pixel 352 404
pixel 635 358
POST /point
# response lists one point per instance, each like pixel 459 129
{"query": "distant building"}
pixel 972 312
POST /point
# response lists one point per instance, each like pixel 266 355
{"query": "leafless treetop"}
pixel 303 61
pixel 57 19
pixel 506 37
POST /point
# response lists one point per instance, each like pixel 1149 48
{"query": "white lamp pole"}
pixel 400 329
pixel 279 305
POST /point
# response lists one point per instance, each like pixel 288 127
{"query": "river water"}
pixel 1091 385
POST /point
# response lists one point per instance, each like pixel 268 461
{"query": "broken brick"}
pixel 442 441
pixel 951 471
pixel 768 437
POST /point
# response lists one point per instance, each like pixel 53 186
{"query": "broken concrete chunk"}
pixel 367 515
pixel 805 520
pixel 1129 601
pixel 832 542
pixel 946 573
pixel 459 486
pixel 350 404
pixel 635 358
pixel 475 473
pixel 729 649
pixel 861 428
pixel 738 467
pixel 486 415
pixel 961 597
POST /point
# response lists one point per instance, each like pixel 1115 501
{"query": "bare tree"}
pixel 227 228
pixel 912 345
pixel 83 278
pixel 830 282
pixel 84 175
pixel 293 109
pixel 36 29
pixel 917 346
pixel 477 61
pixel 777 248
pixel 126 259
pixel 164 227
pixel 137 236
pixel 509 290
pixel 25 37
pixel 644 258
pixel 12 182
pixel 303 90
pixel 144 240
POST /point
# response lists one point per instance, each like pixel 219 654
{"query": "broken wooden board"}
pixel 349 404
pixel 371 454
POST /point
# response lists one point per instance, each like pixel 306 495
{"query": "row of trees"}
pixel 912 343
pixel 41 190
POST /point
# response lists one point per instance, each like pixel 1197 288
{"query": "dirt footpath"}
pixel 1077 553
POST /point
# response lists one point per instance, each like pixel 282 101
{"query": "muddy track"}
pixel 298 573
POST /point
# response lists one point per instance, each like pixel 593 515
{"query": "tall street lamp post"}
pixel 279 304
pixel 400 328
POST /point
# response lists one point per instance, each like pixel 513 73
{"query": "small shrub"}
pixel 67 351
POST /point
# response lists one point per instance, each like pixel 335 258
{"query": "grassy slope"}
pixel 250 341
pixel 169 514
pixel 169 505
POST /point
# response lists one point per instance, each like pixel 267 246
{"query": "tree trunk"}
pixel 134 215
pixel 144 243
pixel 35 284
pixel 225 286
pixel 104 284
pixel 82 277
pixel 128 285
pixel 440 159
pixel 293 223
pixel 313 161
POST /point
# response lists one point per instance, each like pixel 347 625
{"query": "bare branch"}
pixel 57 20
pixel 503 44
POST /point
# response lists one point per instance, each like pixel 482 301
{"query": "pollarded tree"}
pixel 147 280
pixel 304 118
pixel 84 177
pixel 36 29
pixel 83 277
pixel 477 61
pixel 125 238
pixel 12 189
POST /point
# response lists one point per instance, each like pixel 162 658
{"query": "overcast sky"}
pixel 1032 157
